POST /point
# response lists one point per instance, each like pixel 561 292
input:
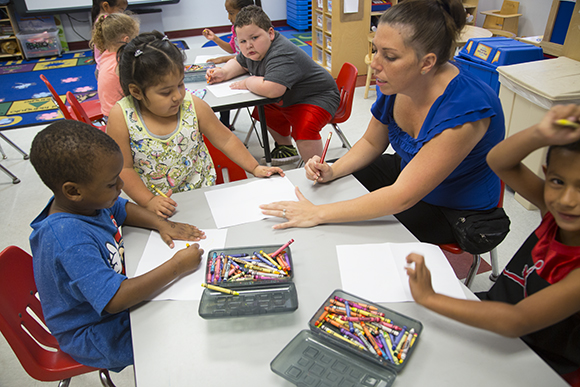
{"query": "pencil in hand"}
pixel 324 152
pixel 568 123
pixel 158 191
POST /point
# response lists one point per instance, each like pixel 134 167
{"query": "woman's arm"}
pixel 432 164
pixel 540 310
pixel 134 186
pixel 223 139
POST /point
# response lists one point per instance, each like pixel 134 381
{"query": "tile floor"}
pixel 20 203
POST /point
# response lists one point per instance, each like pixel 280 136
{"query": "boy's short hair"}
pixel 68 150
pixel 252 14
pixel 573 147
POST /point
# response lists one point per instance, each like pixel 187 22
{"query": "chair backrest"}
pixel 509 7
pixel 225 168
pixel 346 82
pixel 79 111
pixel 22 321
pixel 56 98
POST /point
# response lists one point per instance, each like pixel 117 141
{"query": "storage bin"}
pixel 481 56
pixel 37 44
pixel 528 91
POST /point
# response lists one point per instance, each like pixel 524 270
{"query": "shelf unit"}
pixel 471 8
pixel 8 40
pixel 338 38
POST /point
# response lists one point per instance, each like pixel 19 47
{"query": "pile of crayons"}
pixel 366 328
pixel 239 268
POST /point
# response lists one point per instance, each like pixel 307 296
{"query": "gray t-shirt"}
pixel 305 80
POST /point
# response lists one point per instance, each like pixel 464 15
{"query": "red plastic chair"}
pixel 93 108
pixel 455 249
pixel 346 82
pixel 22 324
pixel 225 168
pixel 80 113
pixel 573 378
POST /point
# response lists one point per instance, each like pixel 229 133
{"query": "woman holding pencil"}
pixel 441 122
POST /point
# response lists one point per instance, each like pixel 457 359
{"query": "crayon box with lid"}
pixel 263 281
pixel 329 354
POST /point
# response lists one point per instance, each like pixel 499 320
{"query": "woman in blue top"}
pixel 440 120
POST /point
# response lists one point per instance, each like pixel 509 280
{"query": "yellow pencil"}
pixel 568 123
pixel 158 191
pixel 220 289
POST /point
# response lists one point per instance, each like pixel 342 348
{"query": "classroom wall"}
pixel 194 14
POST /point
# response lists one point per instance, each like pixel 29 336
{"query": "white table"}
pixel 233 102
pixel 174 346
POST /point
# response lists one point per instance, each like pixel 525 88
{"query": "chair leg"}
pixel 2 152
pixel 473 270
pixel 105 378
pixel 345 143
pixel 253 128
pixel 64 383
pixel 235 118
pixel 15 180
pixel 24 154
pixel 368 82
pixel 495 272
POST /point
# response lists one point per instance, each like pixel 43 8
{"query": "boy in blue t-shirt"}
pixel 77 245
pixel 537 296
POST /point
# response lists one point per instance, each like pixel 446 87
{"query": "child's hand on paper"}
pixel 239 85
pixel 170 231
pixel 263 171
pixel 419 278
pixel 188 259
pixel 321 173
pixel 215 75
pixel 164 207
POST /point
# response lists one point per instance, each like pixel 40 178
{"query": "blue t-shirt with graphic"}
pixel 78 267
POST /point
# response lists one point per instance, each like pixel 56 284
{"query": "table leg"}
pixel 264 126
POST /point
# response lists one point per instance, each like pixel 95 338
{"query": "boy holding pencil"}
pixel 279 69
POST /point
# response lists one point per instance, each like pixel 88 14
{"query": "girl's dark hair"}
pixel 146 59
pixel 96 9
pixel 253 15
pixel 572 147
pixel 434 25
pixel 239 4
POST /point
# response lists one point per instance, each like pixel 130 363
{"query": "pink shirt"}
pixel 109 87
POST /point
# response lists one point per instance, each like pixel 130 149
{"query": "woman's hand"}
pixel 263 171
pixel 318 172
pixel 170 231
pixel 419 278
pixel 298 214
pixel 161 206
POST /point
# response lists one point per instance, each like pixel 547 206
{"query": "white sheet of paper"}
pixel 240 204
pixel 205 58
pixel 187 287
pixel 350 6
pixel 223 89
pixel 377 271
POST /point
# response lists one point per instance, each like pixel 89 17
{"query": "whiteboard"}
pixel 40 7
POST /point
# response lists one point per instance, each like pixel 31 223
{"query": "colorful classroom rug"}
pixel 25 99
pixel 301 39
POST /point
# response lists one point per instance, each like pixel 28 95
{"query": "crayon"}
pixel 220 289
pixel 568 123
pixel 158 191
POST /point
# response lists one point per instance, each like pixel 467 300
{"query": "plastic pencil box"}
pixel 196 72
pixel 319 357
pixel 268 293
